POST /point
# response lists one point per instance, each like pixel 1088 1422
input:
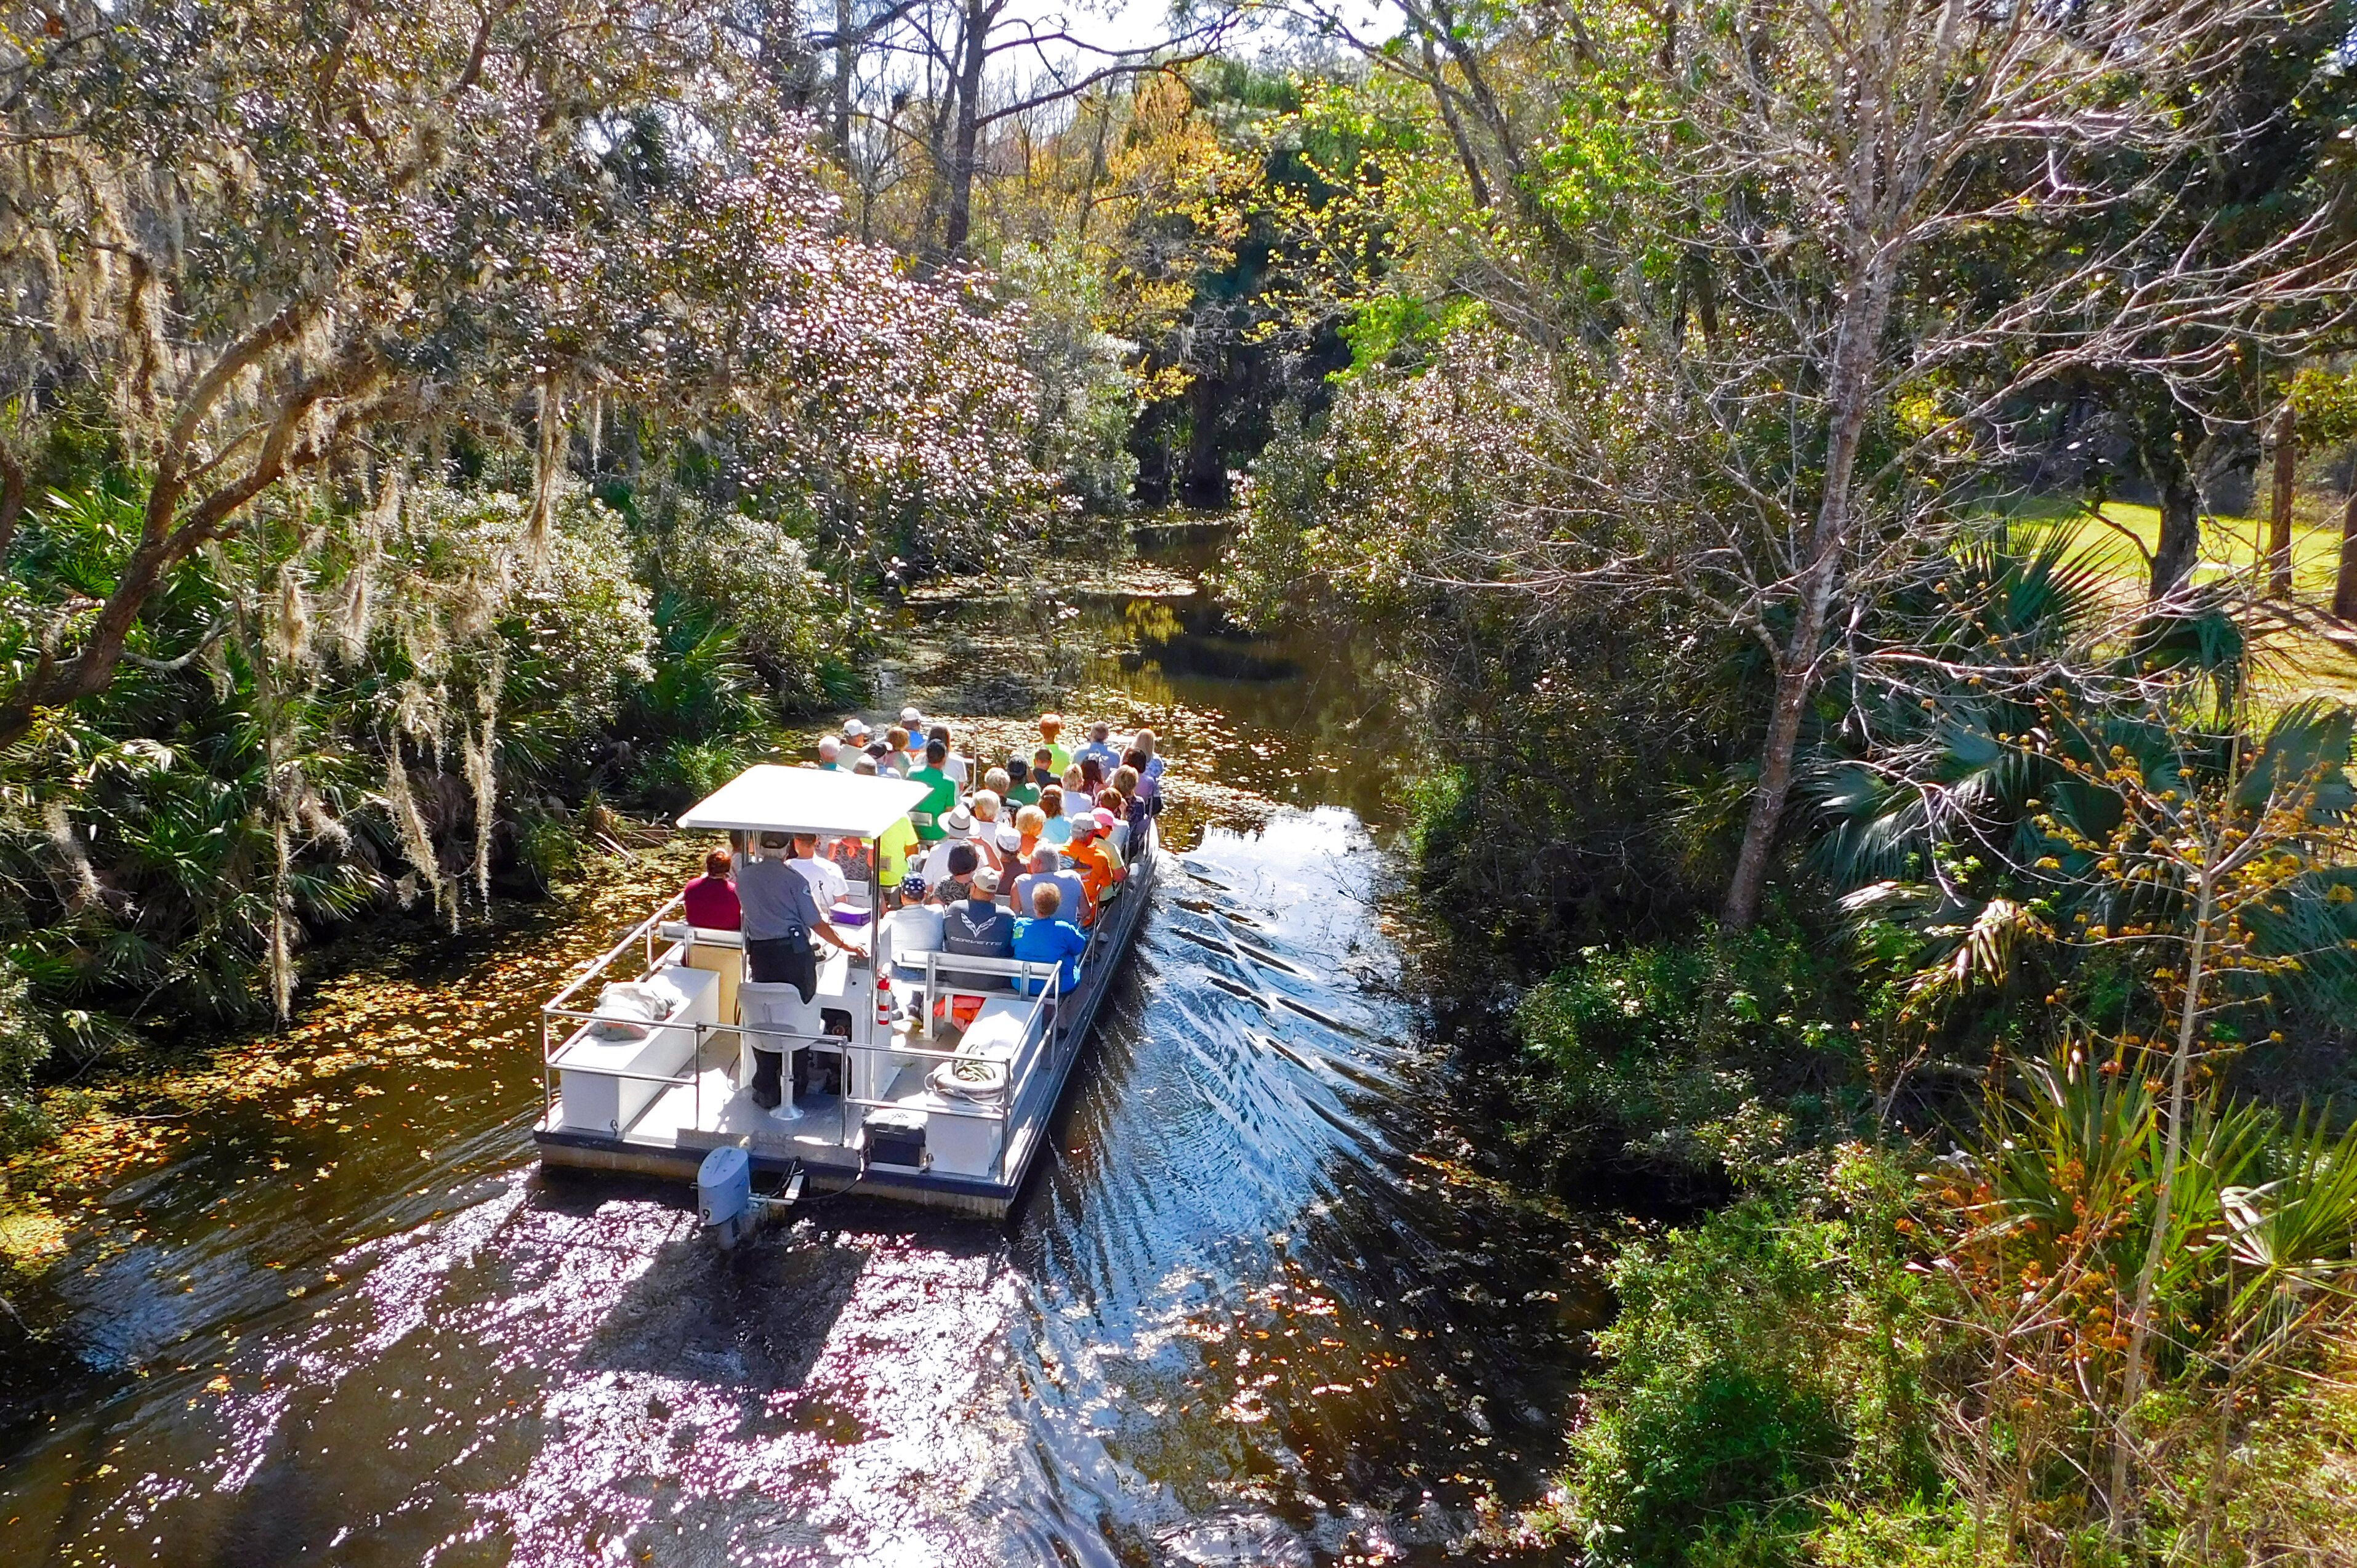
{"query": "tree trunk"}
pixel 2180 1072
pixel 967 135
pixel 1849 395
pixel 54 685
pixel 2344 587
pixel 13 482
pixel 845 57
pixel 1443 101
pixel 2286 454
pixel 2180 530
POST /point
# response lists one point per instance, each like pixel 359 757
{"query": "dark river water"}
pixel 1259 1308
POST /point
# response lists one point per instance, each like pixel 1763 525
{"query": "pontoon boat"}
pixel 931 1079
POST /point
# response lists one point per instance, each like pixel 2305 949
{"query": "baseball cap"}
pixel 1106 820
pixel 987 879
pixel 855 729
pixel 912 720
pixel 1010 837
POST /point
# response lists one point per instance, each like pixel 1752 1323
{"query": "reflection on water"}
pixel 1316 714
pixel 1251 1312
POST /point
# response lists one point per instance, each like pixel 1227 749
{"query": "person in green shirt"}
pixel 941 793
pixel 1050 726
pixel 1020 791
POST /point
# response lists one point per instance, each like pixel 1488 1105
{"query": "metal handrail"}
pixel 1022 1066
pixel 597 965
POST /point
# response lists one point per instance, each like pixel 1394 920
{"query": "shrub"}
pixel 1764 1361
pixel 1717 1053
pixel 23 1048
pixel 752 577
pixel 681 772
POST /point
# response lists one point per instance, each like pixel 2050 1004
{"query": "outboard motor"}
pixel 723 1195
pixel 725 1201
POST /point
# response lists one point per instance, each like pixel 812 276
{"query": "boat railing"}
pixel 1040 1027
pixel 642 933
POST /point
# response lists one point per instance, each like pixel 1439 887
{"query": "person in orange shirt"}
pixel 1087 852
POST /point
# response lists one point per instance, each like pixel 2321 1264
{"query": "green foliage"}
pixel 1435 807
pixel 1393 326
pixel 24 1044
pixel 1087 398
pixel 753 575
pixel 1768 1358
pixel 379 703
pixel 2325 403
pixel 1719 1053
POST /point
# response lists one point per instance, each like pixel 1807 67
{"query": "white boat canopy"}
pixel 768 798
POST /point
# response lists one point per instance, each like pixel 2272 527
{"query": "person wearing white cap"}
pixel 914 722
pixel 1097 870
pixel 979 928
pixel 856 732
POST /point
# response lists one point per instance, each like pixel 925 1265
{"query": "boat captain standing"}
pixel 781 914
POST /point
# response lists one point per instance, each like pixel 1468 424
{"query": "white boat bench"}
pixel 604 1085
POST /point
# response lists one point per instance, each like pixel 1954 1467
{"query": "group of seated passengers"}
pixel 1051 837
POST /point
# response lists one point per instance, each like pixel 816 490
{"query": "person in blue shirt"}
pixel 1058 830
pixel 1047 871
pixel 1099 746
pixel 1044 938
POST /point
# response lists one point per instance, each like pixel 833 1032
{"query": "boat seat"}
pixel 984 1053
pixel 779 1007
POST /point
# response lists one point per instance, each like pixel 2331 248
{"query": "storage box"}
pixel 896 1138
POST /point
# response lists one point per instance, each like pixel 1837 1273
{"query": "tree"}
pixel 1830 259
pixel 2325 403
pixel 2211 874
pixel 258 241
pixel 955 74
pixel 2283 449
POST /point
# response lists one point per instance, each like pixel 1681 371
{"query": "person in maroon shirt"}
pixel 712 898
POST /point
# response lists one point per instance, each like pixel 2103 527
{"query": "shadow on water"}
pixel 1259 1308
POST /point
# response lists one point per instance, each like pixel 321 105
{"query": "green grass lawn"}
pixel 2292 665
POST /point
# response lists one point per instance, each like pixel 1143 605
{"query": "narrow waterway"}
pixel 1259 1308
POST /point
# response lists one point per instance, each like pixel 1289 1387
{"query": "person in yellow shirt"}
pixel 893 847
pixel 1050 726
